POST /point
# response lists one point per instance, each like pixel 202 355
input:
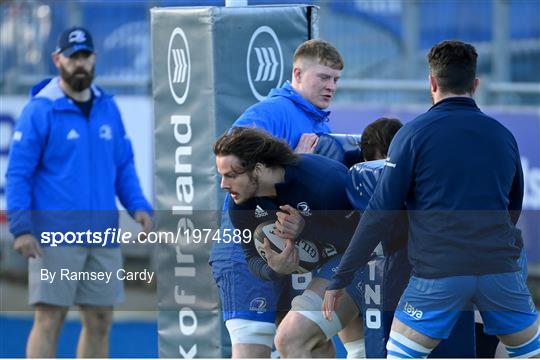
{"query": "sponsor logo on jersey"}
pixel 304 209
pixel 73 134
pixel 17 136
pixel 258 304
pixel 105 132
pixel 260 212
pixel 389 164
pixel 412 311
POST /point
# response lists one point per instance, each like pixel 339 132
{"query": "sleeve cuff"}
pixel 21 233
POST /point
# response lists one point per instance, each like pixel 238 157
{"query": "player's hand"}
pixel 331 302
pixel 307 144
pixel 284 263
pixel 289 223
pixel 143 218
pixel 27 246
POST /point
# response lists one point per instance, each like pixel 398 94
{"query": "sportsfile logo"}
pixel 264 62
pixel 412 311
pixel 178 65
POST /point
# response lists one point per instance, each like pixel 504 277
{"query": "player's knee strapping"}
pixel 309 304
pixel 251 332
pixel 400 347
pixel 529 349
pixel 355 349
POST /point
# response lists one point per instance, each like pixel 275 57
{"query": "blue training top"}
pixel 284 114
pixel 459 173
pixel 66 170
pixel 315 185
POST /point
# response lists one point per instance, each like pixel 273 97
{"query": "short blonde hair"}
pixel 320 51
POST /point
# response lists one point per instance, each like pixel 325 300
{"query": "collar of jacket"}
pixel 50 89
pixel 287 91
pixel 463 101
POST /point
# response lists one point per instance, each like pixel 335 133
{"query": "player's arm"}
pixel 241 218
pixel 284 263
pixel 290 223
pixel 335 224
pixel 307 144
pixel 386 203
pixel 516 192
pixel 27 145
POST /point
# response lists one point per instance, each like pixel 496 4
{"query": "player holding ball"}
pixel 302 201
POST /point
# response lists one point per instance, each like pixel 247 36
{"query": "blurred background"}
pixel 384 44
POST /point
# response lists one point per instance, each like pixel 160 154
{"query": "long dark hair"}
pixel 253 146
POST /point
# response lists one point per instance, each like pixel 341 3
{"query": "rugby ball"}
pixel 308 253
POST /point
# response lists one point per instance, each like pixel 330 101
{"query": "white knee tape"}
pixel 309 304
pixel 244 331
pixel 401 347
pixel 355 349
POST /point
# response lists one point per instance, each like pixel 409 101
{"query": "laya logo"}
pixel 264 62
pixel 412 311
pixel 178 65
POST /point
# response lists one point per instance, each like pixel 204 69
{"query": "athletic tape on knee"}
pixel 309 304
pixel 529 349
pixel 400 347
pixel 355 349
pixel 244 331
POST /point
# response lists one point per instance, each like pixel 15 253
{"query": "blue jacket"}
pixel 286 115
pixel 459 173
pixel 65 170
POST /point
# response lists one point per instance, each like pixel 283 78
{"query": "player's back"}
pixel 466 160
pixel 466 177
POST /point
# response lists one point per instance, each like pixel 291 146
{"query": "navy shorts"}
pixel 354 289
pixel 432 306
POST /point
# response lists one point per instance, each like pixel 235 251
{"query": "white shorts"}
pixel 82 275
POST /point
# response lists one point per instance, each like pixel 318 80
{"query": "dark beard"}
pixel 77 83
